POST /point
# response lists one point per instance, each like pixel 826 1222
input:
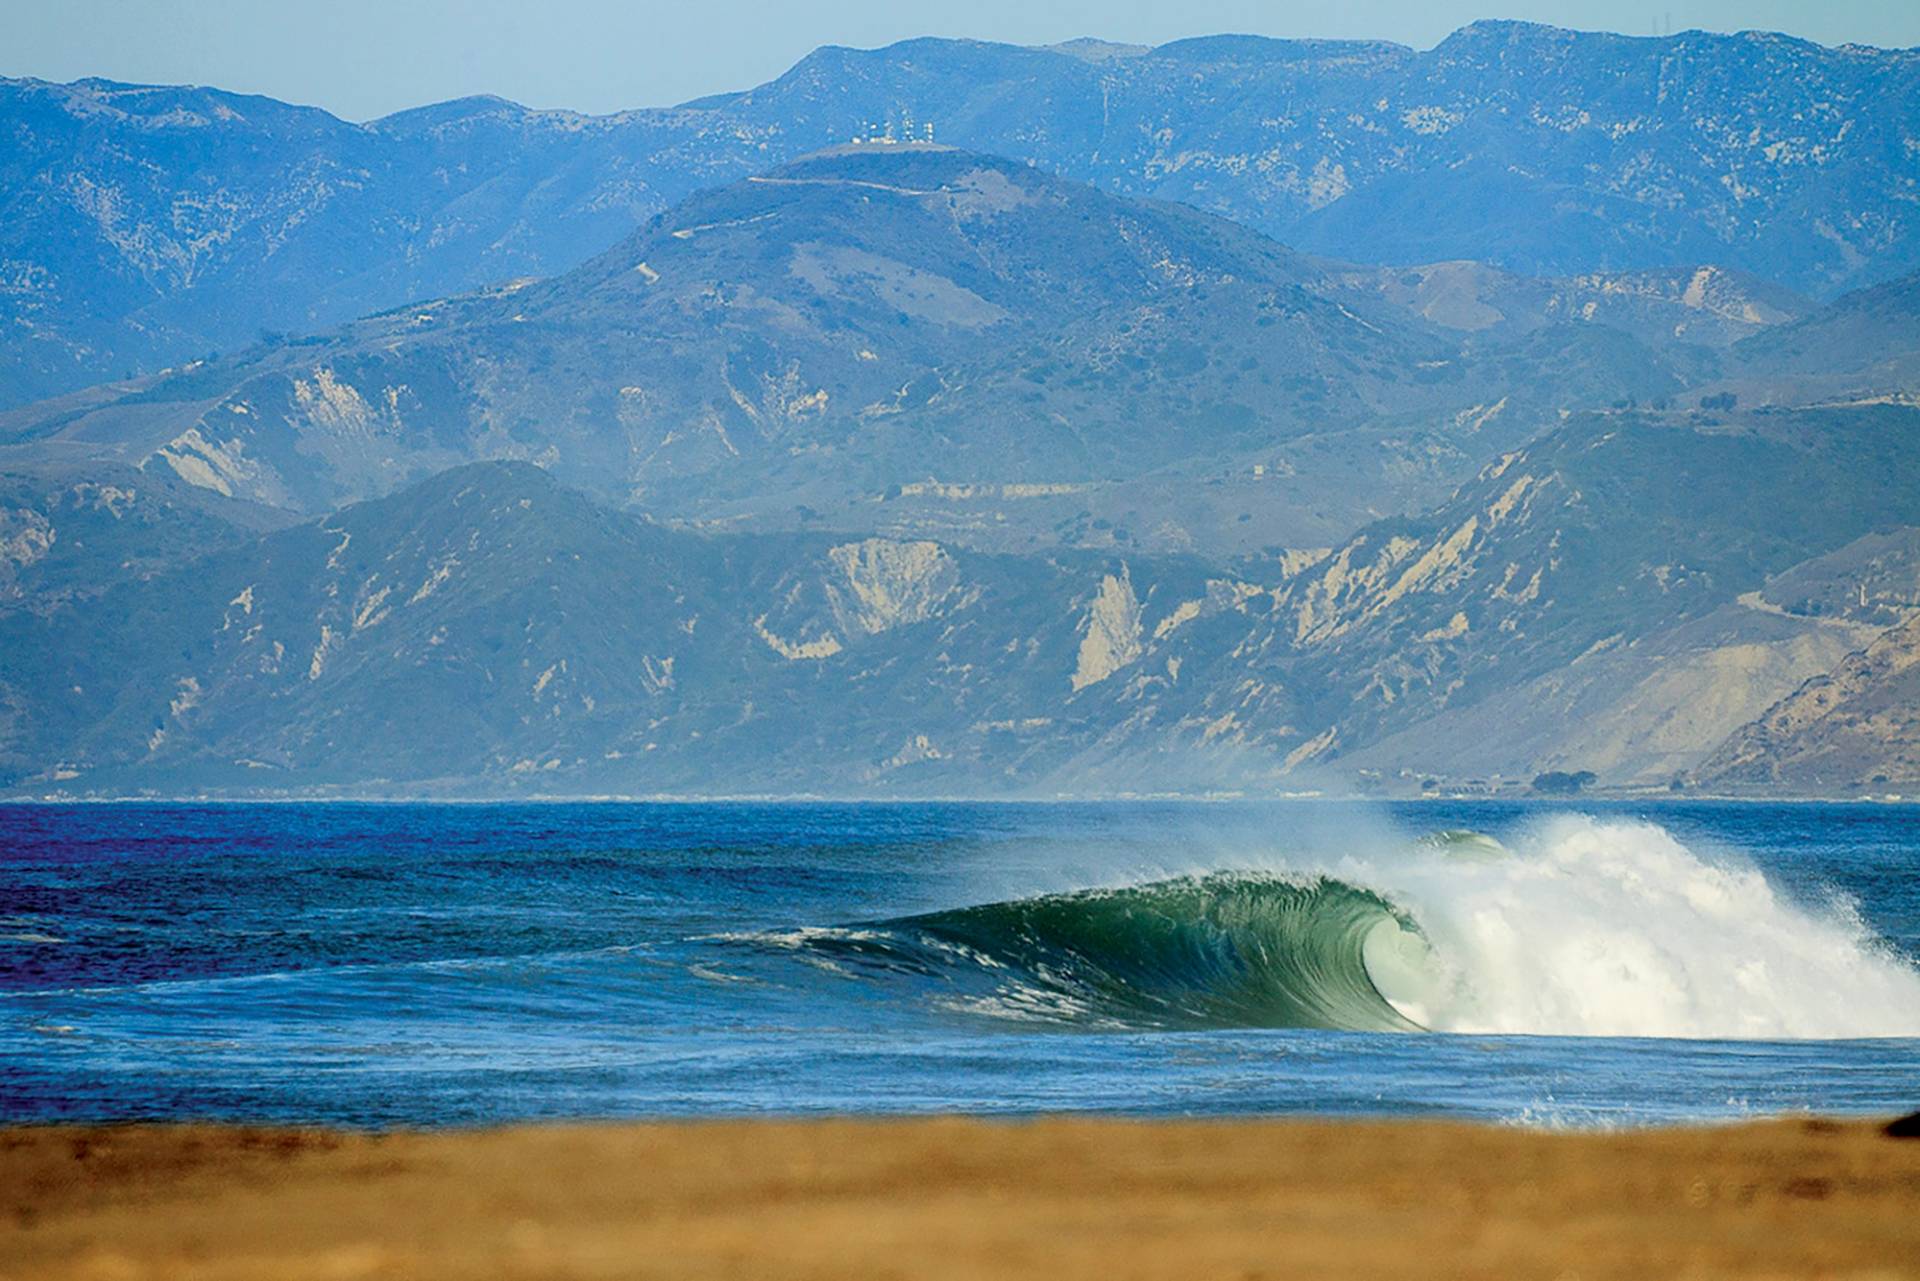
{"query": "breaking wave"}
pixel 1584 928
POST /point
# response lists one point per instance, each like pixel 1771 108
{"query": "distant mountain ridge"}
pixel 145 225
pixel 886 339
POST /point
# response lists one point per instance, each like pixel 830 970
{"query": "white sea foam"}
pixel 1615 928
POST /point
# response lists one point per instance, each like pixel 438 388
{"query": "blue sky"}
pixel 362 58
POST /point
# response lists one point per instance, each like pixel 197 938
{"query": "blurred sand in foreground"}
pixel 1059 1199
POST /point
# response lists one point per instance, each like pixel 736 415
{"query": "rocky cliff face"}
pixel 490 630
pixel 1853 729
pixel 1854 725
pixel 148 225
pixel 1596 599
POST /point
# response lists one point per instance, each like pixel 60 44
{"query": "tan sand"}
pixel 1057 1199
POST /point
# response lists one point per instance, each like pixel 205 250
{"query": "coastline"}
pixel 1599 796
pixel 949 1197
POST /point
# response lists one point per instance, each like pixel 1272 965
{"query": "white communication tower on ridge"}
pixel 893 132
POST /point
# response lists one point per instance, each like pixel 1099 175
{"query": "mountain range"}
pixel 899 468
pixel 148 225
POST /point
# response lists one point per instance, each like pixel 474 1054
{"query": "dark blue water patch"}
pixel 386 964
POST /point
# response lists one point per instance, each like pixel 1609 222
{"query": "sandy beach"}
pixel 962 1199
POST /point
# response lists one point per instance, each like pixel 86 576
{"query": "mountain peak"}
pixel 453 111
pixel 158 108
pixel 494 481
pixel 1093 49
pixel 1271 49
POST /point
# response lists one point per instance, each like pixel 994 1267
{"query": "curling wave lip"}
pixel 1585 928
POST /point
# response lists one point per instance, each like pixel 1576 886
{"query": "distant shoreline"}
pixel 946 1197
pixel 1304 798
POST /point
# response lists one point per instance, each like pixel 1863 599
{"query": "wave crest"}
pixel 1583 928
pixel 1228 949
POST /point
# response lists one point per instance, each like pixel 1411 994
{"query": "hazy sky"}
pixel 363 58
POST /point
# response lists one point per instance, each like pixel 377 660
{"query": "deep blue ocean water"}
pixel 401 964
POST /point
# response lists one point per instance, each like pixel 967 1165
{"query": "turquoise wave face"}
pixel 1223 950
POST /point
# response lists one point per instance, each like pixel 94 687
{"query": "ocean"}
pixel 1586 964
